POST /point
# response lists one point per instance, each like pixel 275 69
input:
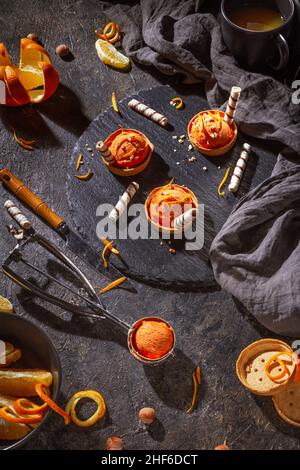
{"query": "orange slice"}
pixel 15 87
pixel 36 72
pixel 110 56
pixel 31 53
pixel 5 305
pixel 30 79
pixel 40 83
pixel 4 56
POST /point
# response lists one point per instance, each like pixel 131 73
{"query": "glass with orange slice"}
pixel 210 134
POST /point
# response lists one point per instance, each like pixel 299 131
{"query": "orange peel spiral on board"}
pixel 33 81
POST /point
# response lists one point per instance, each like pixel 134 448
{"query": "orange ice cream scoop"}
pixel 153 339
pixel 210 131
pixel 129 147
pixel 168 202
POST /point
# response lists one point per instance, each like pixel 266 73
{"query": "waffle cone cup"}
pixel 250 367
pixel 217 152
pixel 287 404
pixel 128 171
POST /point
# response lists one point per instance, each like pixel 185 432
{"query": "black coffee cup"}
pixel 255 49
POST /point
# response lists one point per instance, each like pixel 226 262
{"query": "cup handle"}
pixel 284 52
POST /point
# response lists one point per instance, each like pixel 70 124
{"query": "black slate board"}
pixel 148 261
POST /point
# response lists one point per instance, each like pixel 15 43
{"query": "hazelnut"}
pixel 147 415
pixel 62 50
pixel 33 37
pixel 114 443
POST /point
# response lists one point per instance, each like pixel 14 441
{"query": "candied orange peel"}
pixel 91 395
pixel 177 102
pixel 282 362
pixel 196 382
pixel 115 102
pixel 42 393
pixel 223 182
pixel 111 33
pixel 25 143
pixel 112 285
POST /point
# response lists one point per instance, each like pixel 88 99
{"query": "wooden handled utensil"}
pixel 23 193
pixel 73 241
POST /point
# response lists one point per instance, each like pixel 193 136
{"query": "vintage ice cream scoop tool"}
pixel 73 241
pixel 16 256
pixel 93 306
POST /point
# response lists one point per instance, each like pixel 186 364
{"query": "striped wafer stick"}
pixel 17 215
pixel 232 104
pixel 185 218
pixel 124 201
pixel 105 152
pixel 148 112
pixel 240 169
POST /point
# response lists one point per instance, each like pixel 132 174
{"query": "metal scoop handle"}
pixel 95 304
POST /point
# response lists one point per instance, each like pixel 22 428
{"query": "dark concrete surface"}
pixel 211 327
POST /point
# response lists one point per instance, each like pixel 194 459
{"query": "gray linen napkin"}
pixel 256 256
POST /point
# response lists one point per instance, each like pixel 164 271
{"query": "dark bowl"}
pixel 38 352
